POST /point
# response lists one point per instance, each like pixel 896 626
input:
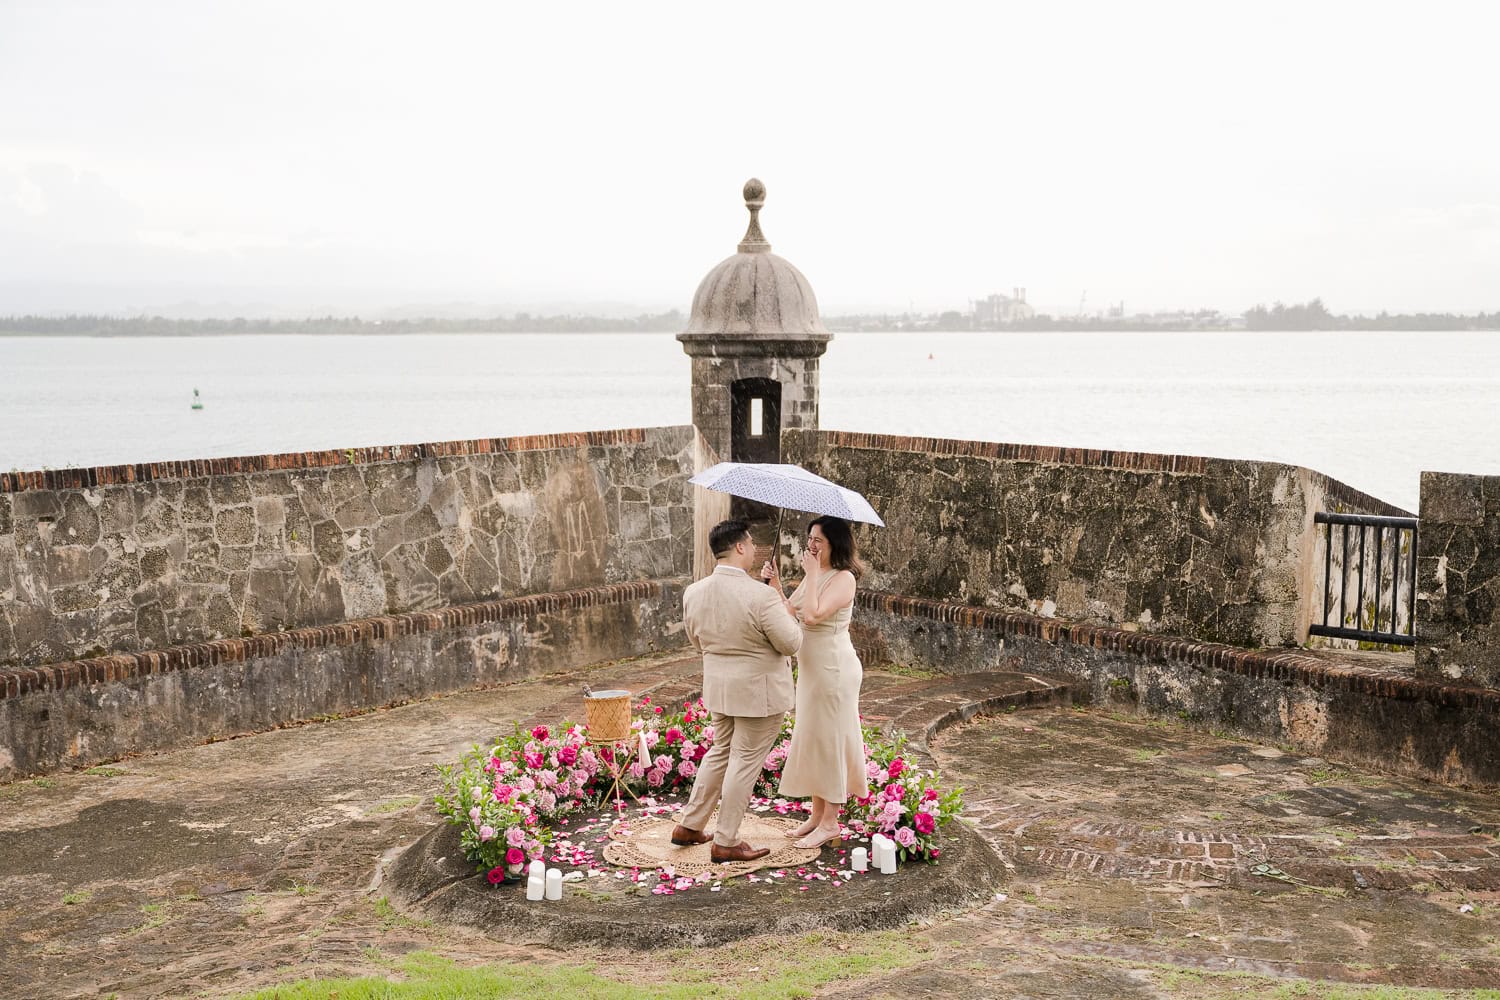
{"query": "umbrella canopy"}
pixel 787 486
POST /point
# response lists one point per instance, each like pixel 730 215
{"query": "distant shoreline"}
pixel 375 331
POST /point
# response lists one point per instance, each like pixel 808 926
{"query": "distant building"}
pixel 998 310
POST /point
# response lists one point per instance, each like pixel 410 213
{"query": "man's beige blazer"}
pixel 745 636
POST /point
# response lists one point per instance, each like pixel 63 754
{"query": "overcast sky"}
pixel 282 157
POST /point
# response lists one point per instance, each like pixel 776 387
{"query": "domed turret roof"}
pixel 755 294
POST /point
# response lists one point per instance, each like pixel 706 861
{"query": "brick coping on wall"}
pixel 1287 665
pixel 18 681
pixel 1130 461
pixel 107 475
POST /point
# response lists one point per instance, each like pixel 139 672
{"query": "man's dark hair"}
pixel 726 534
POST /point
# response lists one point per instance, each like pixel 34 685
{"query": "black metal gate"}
pixel 1378 555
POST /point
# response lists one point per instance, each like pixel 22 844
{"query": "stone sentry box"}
pixel 755 338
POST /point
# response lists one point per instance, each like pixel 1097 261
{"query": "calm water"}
pixel 1372 409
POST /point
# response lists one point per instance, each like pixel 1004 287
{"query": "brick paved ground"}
pixel 1143 856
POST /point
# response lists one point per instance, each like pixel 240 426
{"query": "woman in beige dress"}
pixel 826 761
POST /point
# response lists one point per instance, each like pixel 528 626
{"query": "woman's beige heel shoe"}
pixel 834 839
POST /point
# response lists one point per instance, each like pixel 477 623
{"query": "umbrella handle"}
pixel 776 548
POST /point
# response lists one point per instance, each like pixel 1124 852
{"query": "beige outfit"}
pixel 745 636
pixel 827 755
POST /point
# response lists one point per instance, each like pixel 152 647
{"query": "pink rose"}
pixel 872 769
pixel 568 755
pixel 905 837
pixel 664 763
pixel 930 795
pixel 897 766
pixel 534 759
pixel 637 770
pixel 496 875
pixel 674 735
pixel 474 815
pixel 687 769
pixel 539 733
pixel 515 856
pixel 515 836
pixel 654 778
pixel 924 822
pixel 486 833
pixel 502 793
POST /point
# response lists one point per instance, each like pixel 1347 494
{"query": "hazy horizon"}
pixel 301 159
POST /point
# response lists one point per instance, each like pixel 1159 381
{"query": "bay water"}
pixel 1373 409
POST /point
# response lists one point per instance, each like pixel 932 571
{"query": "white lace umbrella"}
pixel 789 487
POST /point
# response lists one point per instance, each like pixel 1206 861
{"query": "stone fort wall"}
pixel 1210 549
pixel 129 558
pixel 1458 579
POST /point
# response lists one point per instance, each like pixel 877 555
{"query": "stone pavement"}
pixel 1146 858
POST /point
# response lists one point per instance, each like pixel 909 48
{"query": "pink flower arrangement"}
pixel 507 801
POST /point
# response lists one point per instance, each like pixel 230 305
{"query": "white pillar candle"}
pixel 554 883
pixel 859 860
pixel 535 888
pixel 888 858
pixel 537 869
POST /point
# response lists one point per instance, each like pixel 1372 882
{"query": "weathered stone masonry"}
pixel 129 558
pixel 1458 579
pixel 1209 549
pixel 82 712
pixel 1382 718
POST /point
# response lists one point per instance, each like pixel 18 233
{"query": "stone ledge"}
pixel 1130 461
pixel 15 683
pixel 1290 666
pixel 107 475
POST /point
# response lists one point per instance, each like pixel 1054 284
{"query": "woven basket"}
pixel 608 715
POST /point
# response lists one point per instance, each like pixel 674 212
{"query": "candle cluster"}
pixel 543 882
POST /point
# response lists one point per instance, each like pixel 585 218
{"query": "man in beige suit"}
pixel 745 631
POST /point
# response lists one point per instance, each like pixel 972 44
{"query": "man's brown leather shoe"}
pixel 739 852
pixel 683 837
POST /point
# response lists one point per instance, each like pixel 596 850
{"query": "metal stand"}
pixel 622 752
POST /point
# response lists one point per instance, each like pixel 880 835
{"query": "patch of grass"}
pixel 391 917
pixel 106 772
pixel 396 804
pixel 754 970
pixel 1144 754
pixel 74 898
pixel 1324 775
pixel 43 783
pixel 156 914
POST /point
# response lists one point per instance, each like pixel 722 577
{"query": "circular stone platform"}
pixel 432 879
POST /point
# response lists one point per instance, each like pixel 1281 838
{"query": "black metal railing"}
pixel 1385 585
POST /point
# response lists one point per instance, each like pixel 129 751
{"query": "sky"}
pixel 383 159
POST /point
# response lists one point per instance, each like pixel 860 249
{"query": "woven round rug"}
pixel 647 843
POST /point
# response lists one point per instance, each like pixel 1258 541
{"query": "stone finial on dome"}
pixel 755 198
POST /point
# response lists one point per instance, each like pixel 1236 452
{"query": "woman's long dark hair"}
pixel 842 552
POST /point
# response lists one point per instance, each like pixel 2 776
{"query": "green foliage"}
pixel 760 970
